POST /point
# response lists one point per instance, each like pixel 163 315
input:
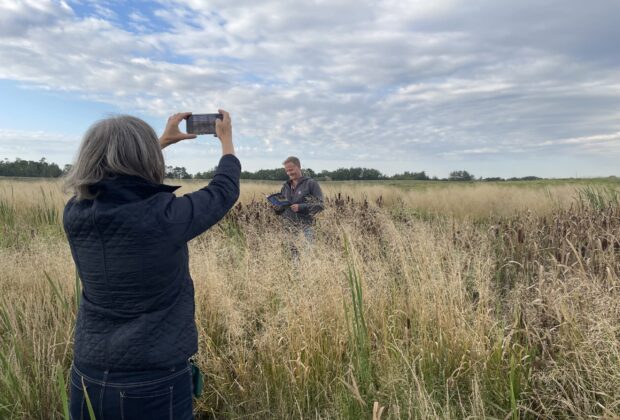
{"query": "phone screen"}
pixel 202 123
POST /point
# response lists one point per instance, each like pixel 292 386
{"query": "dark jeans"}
pixel 153 394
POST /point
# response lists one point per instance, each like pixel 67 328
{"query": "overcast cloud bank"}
pixel 438 84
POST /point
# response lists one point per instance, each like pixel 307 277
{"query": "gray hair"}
pixel 121 145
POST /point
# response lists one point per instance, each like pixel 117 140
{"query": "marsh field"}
pixel 417 300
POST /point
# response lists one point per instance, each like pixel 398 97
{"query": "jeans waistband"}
pixel 131 378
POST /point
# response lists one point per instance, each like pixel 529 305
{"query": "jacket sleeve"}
pixel 315 203
pixel 188 216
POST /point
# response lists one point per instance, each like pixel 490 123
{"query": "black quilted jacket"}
pixel 130 248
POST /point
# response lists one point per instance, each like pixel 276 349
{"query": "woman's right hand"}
pixel 172 133
pixel 223 130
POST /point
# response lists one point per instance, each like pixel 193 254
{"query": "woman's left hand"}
pixel 172 134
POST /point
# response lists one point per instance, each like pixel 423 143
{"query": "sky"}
pixel 494 87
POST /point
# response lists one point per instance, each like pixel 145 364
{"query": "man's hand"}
pixel 172 133
pixel 295 207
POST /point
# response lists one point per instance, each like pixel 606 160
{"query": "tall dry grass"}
pixel 477 200
pixel 416 308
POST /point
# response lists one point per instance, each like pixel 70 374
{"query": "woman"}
pixel 128 233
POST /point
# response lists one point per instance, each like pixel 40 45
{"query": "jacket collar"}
pixel 124 188
pixel 301 180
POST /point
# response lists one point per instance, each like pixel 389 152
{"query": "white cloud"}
pixel 32 145
pixel 341 78
pixel 599 143
pixel 18 17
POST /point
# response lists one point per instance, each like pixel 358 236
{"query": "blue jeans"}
pixel 153 394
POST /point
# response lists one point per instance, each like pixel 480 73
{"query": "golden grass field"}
pixel 438 301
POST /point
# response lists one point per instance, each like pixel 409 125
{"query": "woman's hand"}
pixel 172 133
pixel 223 130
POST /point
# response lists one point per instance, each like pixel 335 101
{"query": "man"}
pixel 305 195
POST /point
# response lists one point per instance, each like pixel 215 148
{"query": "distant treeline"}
pixel 44 169
pixel 341 174
pixel 30 168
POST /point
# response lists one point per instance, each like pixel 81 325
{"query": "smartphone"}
pixel 202 123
